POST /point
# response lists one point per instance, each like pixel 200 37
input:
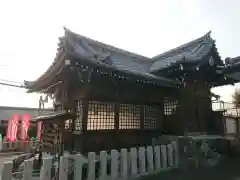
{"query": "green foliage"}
pixel 236 97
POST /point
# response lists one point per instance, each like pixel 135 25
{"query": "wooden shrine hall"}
pixel 105 97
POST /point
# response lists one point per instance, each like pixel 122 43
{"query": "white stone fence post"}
pixel 114 165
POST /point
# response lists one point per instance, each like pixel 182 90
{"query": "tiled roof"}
pixel 233 68
pixel 108 56
pixel 233 61
pixel 100 54
pixel 190 52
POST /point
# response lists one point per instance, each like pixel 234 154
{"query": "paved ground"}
pixel 227 170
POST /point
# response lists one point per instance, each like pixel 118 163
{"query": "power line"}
pixel 13 85
pixel 11 81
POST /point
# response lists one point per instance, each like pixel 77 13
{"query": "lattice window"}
pixel 150 117
pixel 100 115
pixel 129 116
pixel 170 106
pixel 79 116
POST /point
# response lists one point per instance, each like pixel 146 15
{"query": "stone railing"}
pixel 22 146
pixel 123 164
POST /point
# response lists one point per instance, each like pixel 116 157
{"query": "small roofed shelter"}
pixel 52 131
pixel 121 99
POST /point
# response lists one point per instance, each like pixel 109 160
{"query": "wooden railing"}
pixel 123 164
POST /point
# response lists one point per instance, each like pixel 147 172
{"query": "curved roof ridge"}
pixel 236 59
pixel 205 37
pixel 232 61
pixel 109 47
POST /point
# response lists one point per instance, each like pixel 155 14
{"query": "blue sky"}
pixel 30 30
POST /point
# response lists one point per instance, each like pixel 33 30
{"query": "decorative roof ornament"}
pixel 228 61
pixel 232 61
pixel 193 52
pixel 103 57
pixel 181 67
pixel 211 61
pixel 208 35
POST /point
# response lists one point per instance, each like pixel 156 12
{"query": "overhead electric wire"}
pixel 11 81
pixel 13 85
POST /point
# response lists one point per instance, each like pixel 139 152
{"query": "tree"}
pixel 236 97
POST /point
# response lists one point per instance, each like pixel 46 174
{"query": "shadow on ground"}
pixel 227 169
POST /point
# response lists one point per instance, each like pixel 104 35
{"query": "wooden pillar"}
pixel 160 113
pixel 116 116
pixel 61 137
pixel 85 114
pixel 184 114
pixel 69 104
pixel 160 117
pixel 143 91
pixel 86 81
pixel 142 117
pixel 85 100
pixel 116 107
pixel 74 111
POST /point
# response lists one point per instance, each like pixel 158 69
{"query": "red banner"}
pixel 39 129
pixel 12 128
pixel 9 129
pixel 25 126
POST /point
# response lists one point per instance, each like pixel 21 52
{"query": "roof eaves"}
pixel 74 51
pixel 113 68
pixel 55 67
pixel 179 48
pixel 232 61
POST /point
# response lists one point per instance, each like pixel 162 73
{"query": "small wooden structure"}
pixel 120 99
pixel 52 132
